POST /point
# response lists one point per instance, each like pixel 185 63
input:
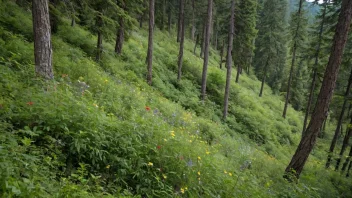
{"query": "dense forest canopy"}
pixel 175 98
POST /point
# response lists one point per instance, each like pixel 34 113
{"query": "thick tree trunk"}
pixel 344 145
pixel 222 53
pixel 195 44
pixel 229 59
pixel 182 40
pixel 206 50
pixel 42 39
pixel 312 87
pixel 328 85
pixel 150 42
pixel 339 123
pixel 193 31
pixel 264 77
pixel 293 60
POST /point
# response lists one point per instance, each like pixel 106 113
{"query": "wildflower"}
pixel 182 190
pixel 164 176
pixel 30 103
pixel 173 134
pixel 95 105
pixel 158 147
pixel 198 172
pixel 150 164
pixel 225 171
pixel 106 81
pixel 230 174
pixel 190 141
pixel 207 152
pixel 147 108
pixel 108 166
pixel 165 140
pixel 199 158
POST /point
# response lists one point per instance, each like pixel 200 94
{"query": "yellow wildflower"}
pixel 190 141
pixel 172 133
pixel 108 166
pixel 164 176
pixel 199 158
pixel 150 164
pixel 182 190
pixel 230 174
pixel 198 172
pixel 207 152
pixel 225 171
pixel 95 105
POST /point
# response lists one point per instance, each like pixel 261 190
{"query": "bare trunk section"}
pixel 222 53
pixel 195 44
pixel 180 55
pixel 229 59
pixel 163 16
pixel 203 41
pixel 308 140
pixel 179 28
pixel 150 42
pixel 193 30
pixel 42 39
pixel 206 50
pixel 264 77
pixel 312 86
pixel 120 37
pixel 99 23
pixel 293 60
pixel 238 73
pixel 169 15
pixel 339 123
pixel 344 146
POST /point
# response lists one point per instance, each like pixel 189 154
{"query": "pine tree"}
pixel 150 42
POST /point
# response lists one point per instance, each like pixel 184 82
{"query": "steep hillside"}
pixel 98 130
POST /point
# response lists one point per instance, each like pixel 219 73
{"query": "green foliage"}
pixel 98 130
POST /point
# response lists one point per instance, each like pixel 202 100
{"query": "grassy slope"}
pixel 108 138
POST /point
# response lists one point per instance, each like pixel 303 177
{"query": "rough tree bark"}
pixel 150 42
pixel 317 52
pixel 203 41
pixel 229 59
pixel 339 123
pixel 206 50
pixel 42 39
pixel 328 85
pixel 293 60
pixel 182 39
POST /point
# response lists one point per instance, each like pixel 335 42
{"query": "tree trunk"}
pixel 193 31
pixel 163 16
pixel 180 55
pixel 179 28
pixel 348 159
pixel 322 131
pixel 339 123
pixel 328 85
pixel 42 39
pixel 293 60
pixel 222 53
pixel 344 145
pixel 238 73
pixel 229 59
pixel 195 44
pixel 206 50
pixel 150 42
pixel 312 87
pixel 264 76
pixel 203 41
pixel 120 38
pixel 169 19
pixel 99 24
